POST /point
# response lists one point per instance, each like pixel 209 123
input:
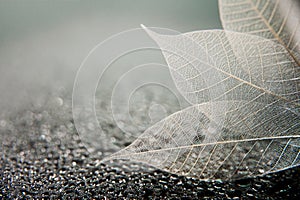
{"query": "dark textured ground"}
pixel 43 157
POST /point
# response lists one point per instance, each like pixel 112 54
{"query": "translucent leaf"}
pixel 273 19
pixel 254 139
pixel 249 124
pixel 222 65
pixel 245 92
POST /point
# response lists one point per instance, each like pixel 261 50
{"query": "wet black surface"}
pixel 43 157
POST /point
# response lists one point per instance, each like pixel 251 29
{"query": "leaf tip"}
pixel 143 26
pixel 151 33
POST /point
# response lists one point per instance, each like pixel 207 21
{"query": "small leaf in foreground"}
pixel 252 141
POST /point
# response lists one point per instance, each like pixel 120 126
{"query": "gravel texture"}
pixel 43 157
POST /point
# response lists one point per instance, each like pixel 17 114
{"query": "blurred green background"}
pixel 24 18
pixel 42 43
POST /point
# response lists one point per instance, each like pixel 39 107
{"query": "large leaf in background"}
pixel 254 139
pixel 278 20
pixel 222 65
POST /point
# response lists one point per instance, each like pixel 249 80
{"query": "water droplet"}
pixel 39 117
pixel 43 137
pixel 3 123
pixel 91 126
pixel 58 101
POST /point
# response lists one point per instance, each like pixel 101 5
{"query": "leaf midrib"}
pixel 155 35
pixel 241 80
pixel 276 36
pixel 208 144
